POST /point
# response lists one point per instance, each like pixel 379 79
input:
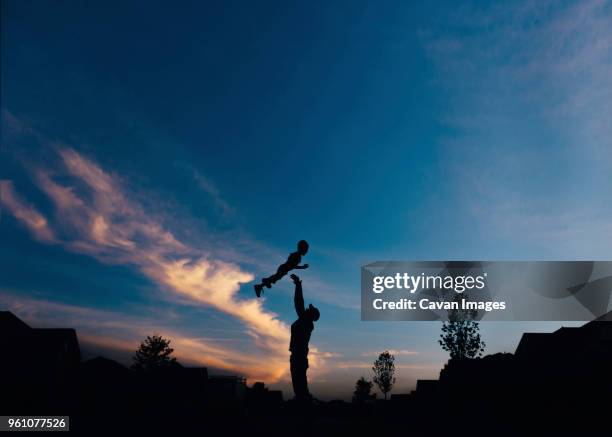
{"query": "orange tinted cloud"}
pixel 24 212
pixel 123 332
pixel 102 221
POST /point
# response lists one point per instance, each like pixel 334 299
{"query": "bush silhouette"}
pixel 363 391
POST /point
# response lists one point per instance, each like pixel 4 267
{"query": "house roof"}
pixel 10 322
pixel 36 341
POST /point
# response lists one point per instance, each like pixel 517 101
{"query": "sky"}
pixel 156 159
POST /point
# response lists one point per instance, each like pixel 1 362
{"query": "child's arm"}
pixel 305 266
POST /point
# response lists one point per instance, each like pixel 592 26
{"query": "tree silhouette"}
pixel 384 369
pixel 461 334
pixel 461 338
pixel 362 392
pixel 154 353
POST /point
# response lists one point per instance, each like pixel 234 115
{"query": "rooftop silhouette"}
pixel 560 379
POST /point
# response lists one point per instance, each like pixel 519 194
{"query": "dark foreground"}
pixel 554 384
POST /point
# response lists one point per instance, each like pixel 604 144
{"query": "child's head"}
pixel 302 247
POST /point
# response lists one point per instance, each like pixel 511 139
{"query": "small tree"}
pixel 461 334
pixel 363 391
pixel 384 369
pixel 154 353
pixel 462 339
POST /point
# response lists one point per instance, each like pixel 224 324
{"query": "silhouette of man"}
pixel 300 336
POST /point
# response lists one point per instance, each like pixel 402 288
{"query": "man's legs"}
pixel 299 366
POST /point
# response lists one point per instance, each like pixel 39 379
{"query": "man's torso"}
pixel 300 336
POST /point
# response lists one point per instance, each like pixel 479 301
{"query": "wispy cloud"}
pixel 124 332
pixel 96 216
pixel 221 206
pixel 211 189
pixel 25 212
pixel 530 102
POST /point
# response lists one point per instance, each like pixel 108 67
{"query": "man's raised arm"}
pixel 298 297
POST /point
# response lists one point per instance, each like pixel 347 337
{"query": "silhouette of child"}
pixel 292 262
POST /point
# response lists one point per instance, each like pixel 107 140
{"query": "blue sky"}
pixel 156 158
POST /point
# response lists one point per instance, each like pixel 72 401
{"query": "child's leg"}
pixel 282 271
pixel 267 282
pixel 271 280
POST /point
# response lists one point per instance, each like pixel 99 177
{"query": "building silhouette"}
pixel 554 383
pixel 41 373
pixel 39 367
pixel 561 380
pixel 260 397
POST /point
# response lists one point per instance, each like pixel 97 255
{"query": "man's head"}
pixel 302 247
pixel 313 313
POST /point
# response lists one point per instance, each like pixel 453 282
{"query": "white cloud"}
pixel 94 215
